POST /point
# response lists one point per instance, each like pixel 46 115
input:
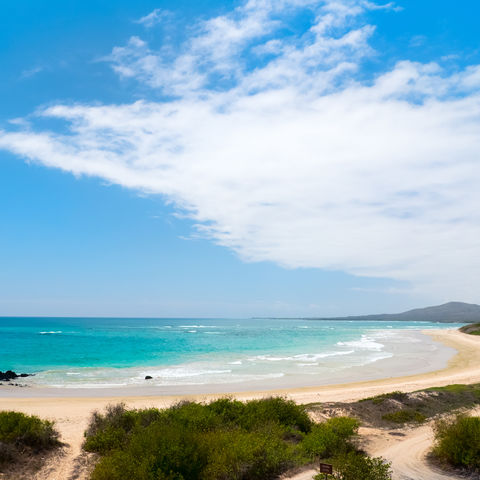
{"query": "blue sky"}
pixel 252 108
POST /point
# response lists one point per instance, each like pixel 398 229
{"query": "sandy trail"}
pixel 71 463
pixel 408 454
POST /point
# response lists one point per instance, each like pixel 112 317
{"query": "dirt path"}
pixel 406 450
pixel 408 454
pixel 71 463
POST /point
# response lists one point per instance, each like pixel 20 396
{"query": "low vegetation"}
pixel 22 438
pixel 397 408
pixel 471 329
pixel 377 400
pixel 404 416
pixel 355 466
pixel 223 440
pixel 458 442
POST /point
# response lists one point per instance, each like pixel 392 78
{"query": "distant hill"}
pixel 452 312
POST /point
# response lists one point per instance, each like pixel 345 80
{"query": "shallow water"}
pixel 117 352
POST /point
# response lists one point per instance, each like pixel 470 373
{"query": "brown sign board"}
pixel 326 468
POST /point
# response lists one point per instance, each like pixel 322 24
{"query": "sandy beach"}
pixel 71 414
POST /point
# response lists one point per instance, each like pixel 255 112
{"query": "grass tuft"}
pixel 397 395
pixel 404 416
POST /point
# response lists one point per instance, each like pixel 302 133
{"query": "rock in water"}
pixel 9 375
pixel 148 377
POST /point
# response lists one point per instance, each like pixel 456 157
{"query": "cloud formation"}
pixel 270 140
pixel 153 18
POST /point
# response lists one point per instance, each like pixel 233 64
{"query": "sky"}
pixel 238 158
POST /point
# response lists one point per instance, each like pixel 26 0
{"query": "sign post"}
pixel 327 469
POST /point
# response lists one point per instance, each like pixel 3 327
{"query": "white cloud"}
pixel 294 160
pixel 31 72
pixel 154 18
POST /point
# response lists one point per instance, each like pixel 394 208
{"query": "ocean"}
pixel 221 354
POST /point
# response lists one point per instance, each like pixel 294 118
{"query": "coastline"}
pixel 71 414
pixel 464 367
pixel 374 354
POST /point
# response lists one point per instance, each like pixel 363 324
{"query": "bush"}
pixel 454 388
pixel 248 455
pixel 458 442
pixel 22 435
pixel 329 438
pixel 225 439
pixel 23 430
pixel 110 430
pixel 356 466
pixel 396 395
pixel 276 410
pixel 471 329
pixel 404 416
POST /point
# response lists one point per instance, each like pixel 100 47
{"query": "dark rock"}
pixel 148 377
pixel 9 375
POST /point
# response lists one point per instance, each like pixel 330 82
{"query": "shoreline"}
pixel 71 414
pixel 378 355
pixel 463 367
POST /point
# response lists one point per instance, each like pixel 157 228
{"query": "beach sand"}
pixel 71 414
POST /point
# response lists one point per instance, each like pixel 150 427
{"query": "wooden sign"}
pixel 326 468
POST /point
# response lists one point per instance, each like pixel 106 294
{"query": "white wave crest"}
pixel 365 343
pixel 306 357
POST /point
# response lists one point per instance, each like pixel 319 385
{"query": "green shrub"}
pixel 458 442
pixel 333 436
pixel 276 410
pixel 404 416
pixel 110 430
pixel 455 388
pixel 22 435
pixel 225 439
pixel 248 455
pixel 115 416
pixel 396 395
pixel 357 466
pixel 27 431
pixel 473 329
pixel 159 450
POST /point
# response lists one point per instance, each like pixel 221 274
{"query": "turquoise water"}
pixel 86 352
